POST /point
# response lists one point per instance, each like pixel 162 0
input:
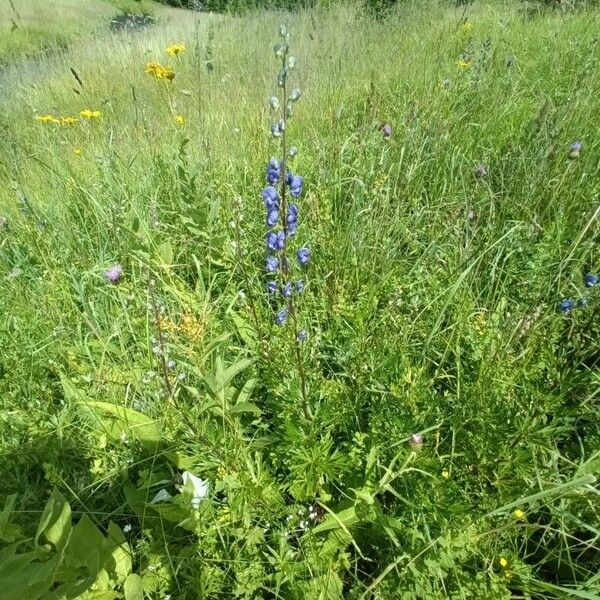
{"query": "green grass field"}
pixel 436 433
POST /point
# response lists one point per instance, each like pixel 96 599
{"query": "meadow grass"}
pixel 431 305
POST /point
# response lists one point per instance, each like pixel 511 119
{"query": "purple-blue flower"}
pixel 387 131
pixel 272 264
pixel 273 171
pixel 566 306
pixel 590 280
pixel 296 186
pixel 575 147
pixel 281 316
pixel 287 290
pixel 300 286
pixel 303 255
pixel 271 197
pixel 272 218
pixel 114 273
pixel 271 287
pixel 302 335
pixel 275 241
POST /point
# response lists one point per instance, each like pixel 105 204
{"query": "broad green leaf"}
pixel 55 522
pixel 165 251
pixel 133 587
pixel 9 532
pixel 245 407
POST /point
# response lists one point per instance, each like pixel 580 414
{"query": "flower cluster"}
pixel 567 305
pixel 61 120
pixel 282 189
pixel 159 71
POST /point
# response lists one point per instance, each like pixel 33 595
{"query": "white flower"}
pixel 127 528
pixel 197 486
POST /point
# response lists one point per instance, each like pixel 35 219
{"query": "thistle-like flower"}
pixel 113 274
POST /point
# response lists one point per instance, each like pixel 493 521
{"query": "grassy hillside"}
pixel 433 434
pixel 31 27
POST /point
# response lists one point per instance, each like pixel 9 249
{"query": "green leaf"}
pixel 9 532
pixel 165 251
pixel 117 420
pixel 242 407
pixel 133 588
pixel 55 522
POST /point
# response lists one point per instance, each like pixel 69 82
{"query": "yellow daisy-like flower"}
pixel 503 562
pixel 519 514
pixel 46 119
pixel 77 151
pixel 468 26
pixel 69 120
pixel 463 64
pixel 180 119
pixel 90 114
pixel 176 49
pixel 159 71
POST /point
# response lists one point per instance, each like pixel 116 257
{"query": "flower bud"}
pixel 292 151
pixel 292 62
pixel 274 102
pixel 279 49
pixel 283 30
pixel 295 95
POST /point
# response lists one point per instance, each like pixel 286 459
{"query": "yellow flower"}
pixel 503 562
pixel 90 114
pixel 158 71
pixel 176 49
pixel 468 26
pixel 463 64
pixel 69 120
pixel 180 119
pixel 445 474
pixel 47 119
pixel 508 575
pixel 77 151
pixel 519 514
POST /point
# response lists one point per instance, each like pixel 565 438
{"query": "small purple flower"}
pixel 296 186
pixel 566 306
pixel 302 335
pixel 300 286
pixel 275 241
pixel 387 131
pixel 271 287
pixel 293 210
pixel 272 264
pixel 287 290
pixel 272 218
pixel 281 316
pixel 114 273
pixel 277 129
pixel 590 280
pixel 575 147
pixel 271 197
pixel 303 255
pixel 273 171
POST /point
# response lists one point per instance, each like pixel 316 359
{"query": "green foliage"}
pixel 153 441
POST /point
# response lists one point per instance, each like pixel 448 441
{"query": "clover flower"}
pixel 387 131
pixel 590 280
pixel 113 274
pixel 303 256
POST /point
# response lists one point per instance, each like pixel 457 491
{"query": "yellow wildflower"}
pixel 176 49
pixel 508 575
pixel 503 562
pixel 445 474
pixel 47 119
pixel 180 119
pixel 519 514
pixel 90 114
pixel 468 26
pixel 69 120
pixel 77 151
pixel 159 71
pixel 463 64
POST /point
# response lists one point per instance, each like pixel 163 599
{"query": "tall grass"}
pixel 431 303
